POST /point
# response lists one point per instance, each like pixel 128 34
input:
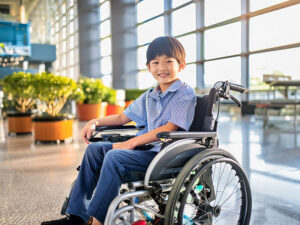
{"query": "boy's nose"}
pixel 162 66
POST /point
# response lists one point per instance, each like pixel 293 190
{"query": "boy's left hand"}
pixel 128 145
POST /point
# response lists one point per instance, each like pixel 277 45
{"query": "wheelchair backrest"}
pixel 203 118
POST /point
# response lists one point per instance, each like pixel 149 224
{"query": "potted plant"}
pixel 132 94
pixel 19 93
pixel 53 92
pixel 113 107
pixel 90 104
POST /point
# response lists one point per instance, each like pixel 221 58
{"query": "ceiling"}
pixel 15 7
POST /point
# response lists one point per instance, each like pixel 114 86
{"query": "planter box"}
pixel 91 111
pixel 59 128
pixel 114 109
pixel 19 123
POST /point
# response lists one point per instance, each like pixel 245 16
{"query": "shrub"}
pixel 19 90
pixel 132 94
pixel 91 91
pixel 53 91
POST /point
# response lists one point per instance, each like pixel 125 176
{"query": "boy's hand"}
pixel 128 145
pixel 87 131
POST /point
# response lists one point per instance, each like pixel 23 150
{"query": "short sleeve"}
pixel 183 109
pixel 136 111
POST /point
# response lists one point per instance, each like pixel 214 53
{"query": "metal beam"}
pixel 200 44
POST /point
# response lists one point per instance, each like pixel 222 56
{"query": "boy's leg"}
pixel 116 164
pixel 87 179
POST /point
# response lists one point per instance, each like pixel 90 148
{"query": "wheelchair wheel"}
pixel 212 188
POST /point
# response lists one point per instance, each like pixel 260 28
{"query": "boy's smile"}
pixel 164 69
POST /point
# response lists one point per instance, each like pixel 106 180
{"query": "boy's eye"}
pixel 154 62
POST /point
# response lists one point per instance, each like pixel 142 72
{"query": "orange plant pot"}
pixel 52 129
pixel 19 123
pixel 91 111
pixel 114 109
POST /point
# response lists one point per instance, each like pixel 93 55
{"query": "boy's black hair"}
pixel 166 45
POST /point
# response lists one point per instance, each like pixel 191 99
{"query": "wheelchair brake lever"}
pixel 235 100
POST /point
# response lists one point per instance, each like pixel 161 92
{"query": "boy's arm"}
pixel 145 138
pixel 118 119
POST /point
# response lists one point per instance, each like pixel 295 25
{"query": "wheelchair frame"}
pixel 197 155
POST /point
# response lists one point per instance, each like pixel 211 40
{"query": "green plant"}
pixel 91 91
pixel 19 89
pixel 53 91
pixel 132 94
pixel 111 97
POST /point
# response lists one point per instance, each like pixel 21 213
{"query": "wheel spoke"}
pixel 220 179
pixel 225 187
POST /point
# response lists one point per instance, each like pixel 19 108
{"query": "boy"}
pixel 165 108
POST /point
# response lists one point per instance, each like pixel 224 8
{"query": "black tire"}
pixel 66 202
pixel 207 210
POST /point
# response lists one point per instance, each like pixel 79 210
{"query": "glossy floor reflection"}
pixel 35 178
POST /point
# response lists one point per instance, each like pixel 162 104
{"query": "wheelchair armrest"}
pixel 117 127
pixel 185 134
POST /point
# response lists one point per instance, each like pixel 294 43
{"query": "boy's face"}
pixel 165 69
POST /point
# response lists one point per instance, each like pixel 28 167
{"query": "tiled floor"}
pixel 35 178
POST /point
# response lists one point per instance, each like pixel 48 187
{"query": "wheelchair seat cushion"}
pixel 168 165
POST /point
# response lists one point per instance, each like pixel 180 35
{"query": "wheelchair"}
pixel 190 181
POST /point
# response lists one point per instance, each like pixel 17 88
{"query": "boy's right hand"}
pixel 87 130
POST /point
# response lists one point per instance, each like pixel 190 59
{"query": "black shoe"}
pixel 69 220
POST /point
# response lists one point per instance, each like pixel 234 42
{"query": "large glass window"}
pixel 142 57
pixel 105 28
pixel 222 41
pixel 106 66
pixel 176 3
pixel 105 46
pixel 105 43
pixel 267 30
pixel 149 8
pixel 218 10
pixel 284 62
pixel 184 20
pixel 224 69
pixel 188 75
pixel 147 32
pixel 105 10
pixel 189 43
pixel 275 28
pixel 64 31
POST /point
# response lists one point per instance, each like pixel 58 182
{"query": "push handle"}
pixel 237 87
pixel 235 100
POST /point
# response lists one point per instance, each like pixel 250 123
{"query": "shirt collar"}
pixel 156 92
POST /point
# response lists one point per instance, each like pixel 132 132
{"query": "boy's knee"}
pixel 112 155
pixel 90 149
pixel 113 161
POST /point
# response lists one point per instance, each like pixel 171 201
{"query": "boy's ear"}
pixel 182 66
pixel 148 66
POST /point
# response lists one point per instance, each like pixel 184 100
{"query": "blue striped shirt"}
pixel 176 105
